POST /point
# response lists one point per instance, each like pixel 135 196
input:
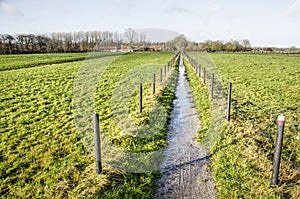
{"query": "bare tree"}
pixel 246 44
pixel 142 38
pixel 1 44
pixel 42 43
pixel 9 41
pixel 293 49
pixel 21 42
pixel 130 36
pixel 117 38
pixel 179 43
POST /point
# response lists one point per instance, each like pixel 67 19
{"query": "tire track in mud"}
pixel 185 172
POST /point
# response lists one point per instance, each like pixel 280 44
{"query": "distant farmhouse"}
pixel 113 48
pixel 127 48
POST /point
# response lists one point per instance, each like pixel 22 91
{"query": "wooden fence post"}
pixel 278 148
pixel 141 98
pixel 229 101
pixel 153 84
pixel 97 143
pixel 212 86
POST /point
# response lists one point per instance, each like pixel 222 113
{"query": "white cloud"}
pixel 294 9
pixel 214 8
pixel 173 9
pixel 118 1
pixel 7 8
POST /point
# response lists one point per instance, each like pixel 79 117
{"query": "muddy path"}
pixel 185 172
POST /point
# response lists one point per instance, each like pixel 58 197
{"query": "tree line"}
pixel 229 46
pixel 181 43
pixel 59 42
pixel 101 40
pixel 95 40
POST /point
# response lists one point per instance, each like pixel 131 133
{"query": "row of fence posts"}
pixel 280 120
pixel 198 69
pixel 161 74
pixel 96 116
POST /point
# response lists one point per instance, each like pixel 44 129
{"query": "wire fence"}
pixel 206 70
pixel 119 158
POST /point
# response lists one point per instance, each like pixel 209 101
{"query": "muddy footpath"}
pixel 185 169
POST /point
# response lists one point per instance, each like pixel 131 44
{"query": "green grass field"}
pixel 264 86
pixel 10 62
pixel 43 156
pixel 202 101
pixel 41 153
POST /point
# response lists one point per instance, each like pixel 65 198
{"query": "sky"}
pixel 264 22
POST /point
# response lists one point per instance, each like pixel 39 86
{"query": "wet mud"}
pixel 185 169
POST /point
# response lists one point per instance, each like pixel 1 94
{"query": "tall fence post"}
pixel 204 75
pixel 212 85
pixel 199 70
pixel 160 75
pixel 141 97
pixel 153 85
pixel 165 70
pixel 97 143
pixel 278 148
pixel 229 101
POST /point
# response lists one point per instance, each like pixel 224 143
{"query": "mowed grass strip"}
pixel 11 62
pixel 264 86
pixel 40 151
pixel 201 97
pixel 133 185
pixel 41 155
pixel 107 85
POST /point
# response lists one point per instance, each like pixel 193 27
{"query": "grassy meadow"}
pixel 264 86
pixel 10 62
pixel 41 154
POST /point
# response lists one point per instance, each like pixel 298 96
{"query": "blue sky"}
pixel 263 22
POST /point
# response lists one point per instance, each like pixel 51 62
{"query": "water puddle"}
pixel 185 172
